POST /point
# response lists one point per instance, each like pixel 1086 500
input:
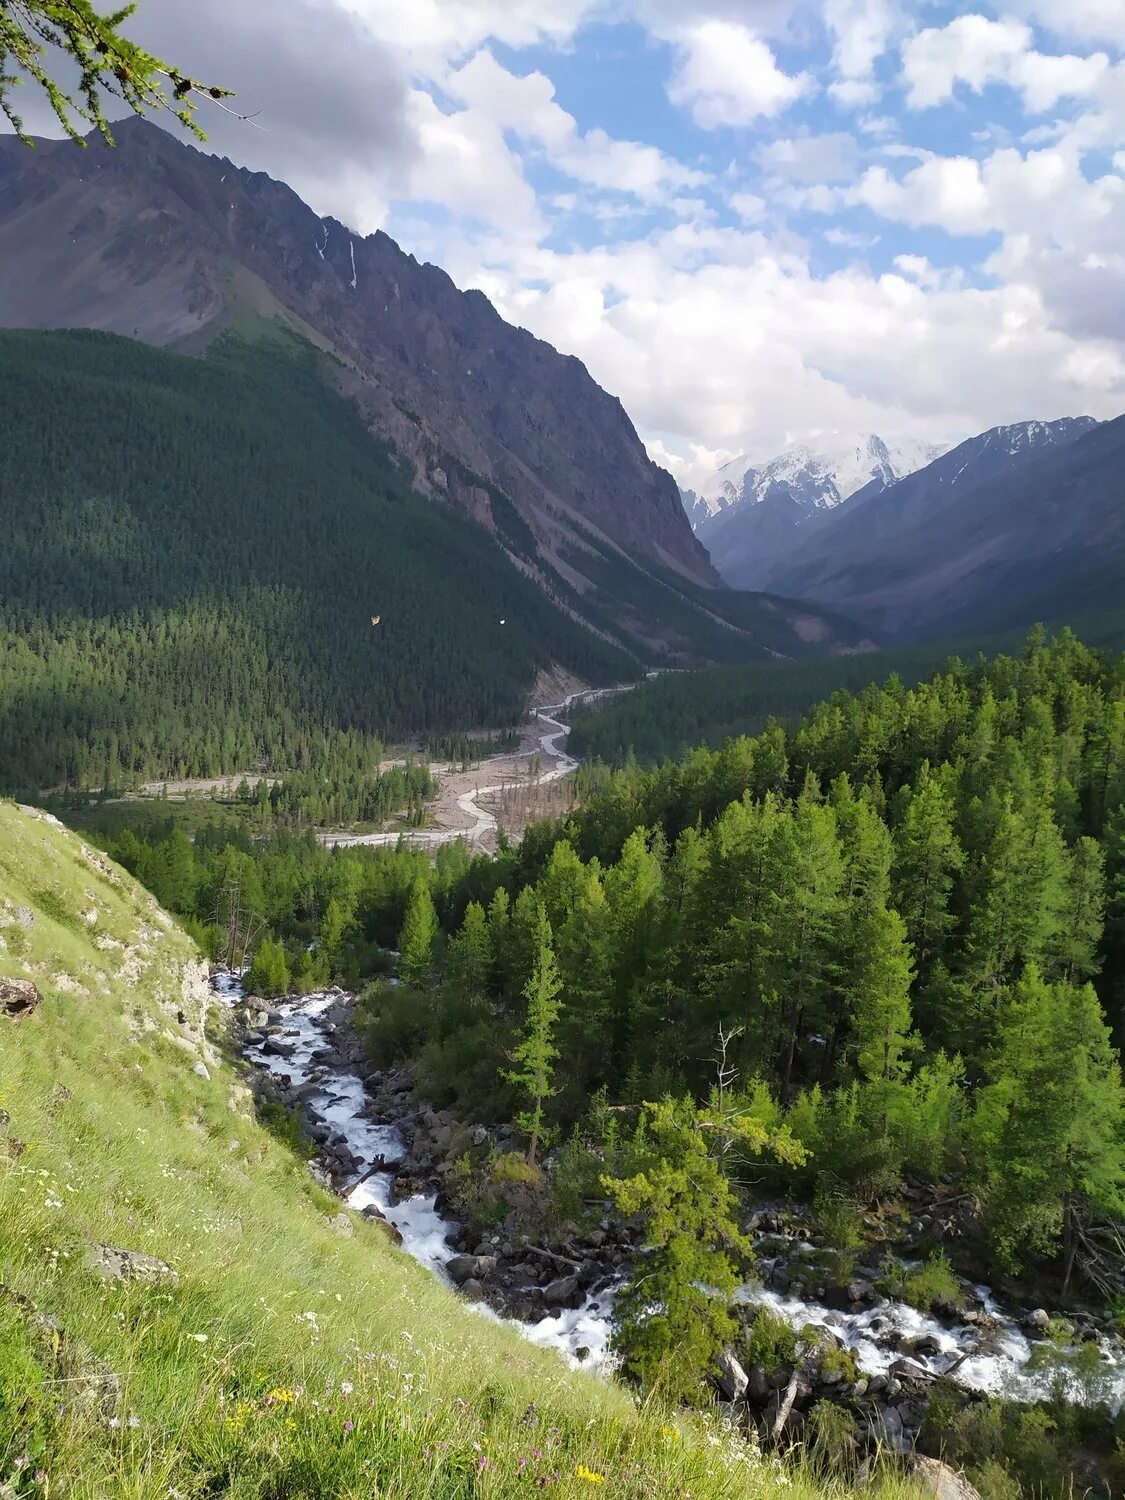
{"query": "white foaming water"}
pixel 993 1360
pixel 341 1103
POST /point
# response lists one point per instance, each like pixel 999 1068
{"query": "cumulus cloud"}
pixel 977 51
pixel 729 76
pixel 811 158
pixel 861 32
pixel 724 332
pixel 527 107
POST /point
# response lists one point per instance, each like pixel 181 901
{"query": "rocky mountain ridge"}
pixel 1019 523
pixel 161 242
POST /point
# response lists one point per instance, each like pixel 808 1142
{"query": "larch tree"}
pixel 37 34
pixel 469 968
pixel 1050 1128
pixel 535 1052
pixel 419 933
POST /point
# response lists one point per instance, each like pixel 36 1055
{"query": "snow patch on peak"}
pixel 814 475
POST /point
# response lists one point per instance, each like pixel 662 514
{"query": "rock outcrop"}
pixel 19 999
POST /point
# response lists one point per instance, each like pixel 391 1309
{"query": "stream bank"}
pixel 873 1359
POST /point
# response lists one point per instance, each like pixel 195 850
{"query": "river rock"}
pixel 1038 1321
pixel 561 1291
pixel 887 1428
pixel 941 1482
pixel 731 1378
pixel 925 1345
pixel 19 999
pixel 758 1388
pixel 462 1268
pixel 383 1224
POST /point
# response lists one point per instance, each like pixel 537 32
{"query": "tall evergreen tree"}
pixel 535 1052
pixel 418 936
pixel 1050 1127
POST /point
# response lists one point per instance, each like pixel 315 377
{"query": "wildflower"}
pixel 349 1426
pixel 673 1434
pixel 591 1476
pixel 134 1421
pixel 346 1388
pixel 280 1396
pixel 200 1338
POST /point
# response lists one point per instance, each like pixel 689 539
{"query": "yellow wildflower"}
pixel 591 1476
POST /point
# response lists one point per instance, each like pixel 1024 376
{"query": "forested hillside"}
pixel 895 911
pixel 677 711
pixel 879 957
pixel 209 566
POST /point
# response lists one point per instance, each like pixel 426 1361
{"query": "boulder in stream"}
pixel 463 1268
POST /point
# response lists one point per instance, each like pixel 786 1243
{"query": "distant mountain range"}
pixel 807 477
pixel 161 242
pixel 1022 522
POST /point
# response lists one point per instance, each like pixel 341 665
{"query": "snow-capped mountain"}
pixel 811 476
pixel 961 539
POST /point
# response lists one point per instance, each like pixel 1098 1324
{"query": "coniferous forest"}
pixel 209 566
pixel 906 919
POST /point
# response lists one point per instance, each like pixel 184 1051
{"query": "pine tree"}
pixel 469 968
pixel 535 1052
pixel 419 933
pixel 586 967
pixel 927 860
pixel 880 1001
pixel 269 973
pixel 1074 951
pixel 1050 1127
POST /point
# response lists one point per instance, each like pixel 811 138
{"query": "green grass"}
pixel 290 1359
pixel 933 1283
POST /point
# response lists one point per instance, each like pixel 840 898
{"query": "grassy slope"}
pixel 128 1144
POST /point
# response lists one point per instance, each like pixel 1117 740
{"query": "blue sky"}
pixel 754 220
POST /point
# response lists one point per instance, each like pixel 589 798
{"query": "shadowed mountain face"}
pixel 1021 523
pixel 158 241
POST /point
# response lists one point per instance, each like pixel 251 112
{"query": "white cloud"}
pixel 1074 20
pixel 861 31
pixel 748 206
pixel 431 33
pixel 527 107
pixel 811 158
pixel 977 51
pixel 850 239
pixel 728 76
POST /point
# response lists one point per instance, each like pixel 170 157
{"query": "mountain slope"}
pixel 157 240
pixel 276 1345
pixel 208 565
pixel 192 557
pixel 751 522
pixel 1021 523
